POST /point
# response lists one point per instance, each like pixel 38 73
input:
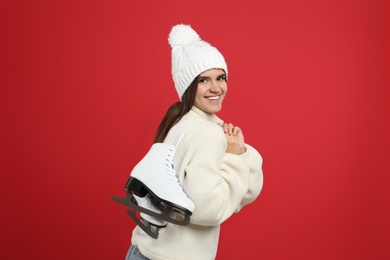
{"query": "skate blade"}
pixel 147 227
pixel 124 201
pixel 169 214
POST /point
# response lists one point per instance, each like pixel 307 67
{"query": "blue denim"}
pixel 135 254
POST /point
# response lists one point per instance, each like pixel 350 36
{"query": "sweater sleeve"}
pixel 255 162
pixel 216 181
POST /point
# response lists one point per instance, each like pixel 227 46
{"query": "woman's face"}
pixel 211 90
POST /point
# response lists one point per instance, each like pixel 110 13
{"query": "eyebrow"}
pixel 207 77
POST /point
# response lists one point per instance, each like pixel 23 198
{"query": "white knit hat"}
pixel 191 56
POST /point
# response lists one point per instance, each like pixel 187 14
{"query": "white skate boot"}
pixel 154 175
pixel 154 190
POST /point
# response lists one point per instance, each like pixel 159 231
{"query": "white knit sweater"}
pixel 218 183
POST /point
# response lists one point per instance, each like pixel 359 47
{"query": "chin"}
pixel 215 110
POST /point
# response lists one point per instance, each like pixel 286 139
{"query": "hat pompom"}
pixel 182 35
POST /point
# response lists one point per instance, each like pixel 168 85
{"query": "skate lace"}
pixel 171 171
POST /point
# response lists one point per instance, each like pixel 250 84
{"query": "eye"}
pixel 222 78
pixel 202 80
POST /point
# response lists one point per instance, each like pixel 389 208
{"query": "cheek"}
pixel 198 98
pixel 200 92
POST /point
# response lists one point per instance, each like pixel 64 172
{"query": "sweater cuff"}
pixel 237 157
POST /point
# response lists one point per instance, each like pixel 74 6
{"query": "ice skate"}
pixel 154 176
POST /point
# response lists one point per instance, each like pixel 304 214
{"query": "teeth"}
pixel 214 98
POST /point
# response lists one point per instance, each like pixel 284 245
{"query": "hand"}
pixel 234 138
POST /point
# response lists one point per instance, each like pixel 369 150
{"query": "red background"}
pixel 85 83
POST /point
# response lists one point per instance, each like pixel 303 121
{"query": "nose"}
pixel 215 86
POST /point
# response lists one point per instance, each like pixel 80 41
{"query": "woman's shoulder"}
pixel 199 130
pixel 194 122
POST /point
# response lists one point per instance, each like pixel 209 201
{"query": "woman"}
pixel 218 171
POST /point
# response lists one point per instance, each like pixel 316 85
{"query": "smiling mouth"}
pixel 213 98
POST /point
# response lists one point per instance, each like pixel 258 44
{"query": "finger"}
pixel 236 130
pixel 225 128
pixel 230 128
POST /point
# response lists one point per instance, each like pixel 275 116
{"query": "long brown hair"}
pixel 176 112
